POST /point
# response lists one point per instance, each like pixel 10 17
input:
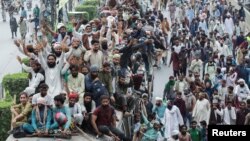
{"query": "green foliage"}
pixel 26 61
pixel 5 119
pixel 92 10
pixel 78 15
pixel 14 84
pixel 91 2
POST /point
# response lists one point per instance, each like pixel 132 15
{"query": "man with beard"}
pixel 90 77
pixel 53 71
pixel 43 93
pixel 88 108
pixel 94 85
pixel 87 37
pixel 241 114
pixel 64 112
pixel 172 119
pixel 242 90
pixel 104 120
pixel 124 99
pixel 75 109
pixel 94 56
pixel 77 50
pixel 40 118
pixel 106 78
pixel 76 82
pixel 201 109
pixel 115 68
pixel 84 69
pixel 57 50
pixel 159 108
pixel 35 76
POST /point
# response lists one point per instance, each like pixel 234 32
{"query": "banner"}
pixel 62 3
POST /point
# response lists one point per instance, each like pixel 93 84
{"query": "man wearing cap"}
pixel 229 25
pixel 172 119
pixel 242 90
pixel 40 118
pixel 43 93
pixel 52 70
pixel 75 109
pixel 90 77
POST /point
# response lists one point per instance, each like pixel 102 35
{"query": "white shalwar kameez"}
pixel 201 110
pixel 53 75
pixel 172 119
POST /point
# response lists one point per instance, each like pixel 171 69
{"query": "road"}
pixel 8 53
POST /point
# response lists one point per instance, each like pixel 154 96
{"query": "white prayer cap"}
pixel 60 25
pixel 228 14
pixel 248 97
pixel 175 132
pixel 41 100
pixel 223 69
pixel 158 99
pixel 241 80
pixel 116 56
pixel 57 45
pixel 30 91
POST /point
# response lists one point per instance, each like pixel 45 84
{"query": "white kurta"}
pixel 229 26
pixel 94 58
pixel 172 119
pixel 201 111
pixel 53 75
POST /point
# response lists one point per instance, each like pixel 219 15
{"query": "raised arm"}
pixel 40 56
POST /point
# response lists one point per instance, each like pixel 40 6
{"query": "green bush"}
pixel 91 2
pixel 26 61
pixel 14 84
pixel 78 15
pixel 5 119
pixel 92 10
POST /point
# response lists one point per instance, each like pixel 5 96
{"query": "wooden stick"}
pixel 84 134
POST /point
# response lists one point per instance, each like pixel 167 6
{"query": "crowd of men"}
pixel 86 72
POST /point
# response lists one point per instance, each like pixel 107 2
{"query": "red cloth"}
pixel 104 115
pixel 73 95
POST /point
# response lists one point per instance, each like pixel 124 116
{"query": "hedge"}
pixel 78 15
pixel 5 119
pixel 26 61
pixel 91 2
pixel 14 84
pixel 92 10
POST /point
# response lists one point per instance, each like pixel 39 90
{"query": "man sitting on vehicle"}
pixel 43 93
pixel 88 108
pixel 75 109
pixel 104 120
pixel 40 118
pixel 61 115
pixel 20 112
pixel 124 98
